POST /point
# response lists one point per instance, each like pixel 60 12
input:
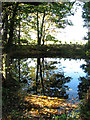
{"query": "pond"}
pixel 43 87
pixel 57 77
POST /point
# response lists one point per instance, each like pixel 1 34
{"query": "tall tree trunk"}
pixel 42 79
pixel 38 62
pixel 19 68
pixel 10 40
pixel 19 29
pixel 40 33
pixel 38 38
pixel 43 37
pixel 7 65
pixel 43 66
pixel 5 26
pixel 42 27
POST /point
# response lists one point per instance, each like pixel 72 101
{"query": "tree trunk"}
pixel 38 38
pixel 19 68
pixel 41 36
pixel 38 62
pixel 5 26
pixel 19 29
pixel 7 65
pixel 10 40
pixel 42 79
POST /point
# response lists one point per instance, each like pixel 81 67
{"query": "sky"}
pixel 76 32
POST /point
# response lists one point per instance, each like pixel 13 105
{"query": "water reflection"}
pixel 56 77
pixel 84 81
pixel 52 84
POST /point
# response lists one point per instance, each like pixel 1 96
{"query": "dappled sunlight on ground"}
pixel 44 105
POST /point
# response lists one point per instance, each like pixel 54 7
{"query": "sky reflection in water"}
pixel 70 67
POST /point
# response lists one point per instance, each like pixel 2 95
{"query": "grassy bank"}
pixel 64 50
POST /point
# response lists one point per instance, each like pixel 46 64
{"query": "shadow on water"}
pixel 84 85
pixel 39 76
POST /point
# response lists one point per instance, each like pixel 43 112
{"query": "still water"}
pixel 57 77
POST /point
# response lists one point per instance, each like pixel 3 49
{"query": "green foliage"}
pixel 88 53
pixel 51 38
pixel 54 13
pixel 86 17
pixel 74 115
pixel 87 46
pixel 70 42
pixel 84 110
pixel 86 12
pixel 26 17
pixel 65 42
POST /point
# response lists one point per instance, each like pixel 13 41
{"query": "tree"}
pixel 11 17
pixel 39 17
pixel 43 17
pixel 9 14
pixel 86 16
pixel 49 14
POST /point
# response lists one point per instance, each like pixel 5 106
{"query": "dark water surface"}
pixel 57 77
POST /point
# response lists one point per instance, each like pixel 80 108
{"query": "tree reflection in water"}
pixel 42 78
pixel 84 81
